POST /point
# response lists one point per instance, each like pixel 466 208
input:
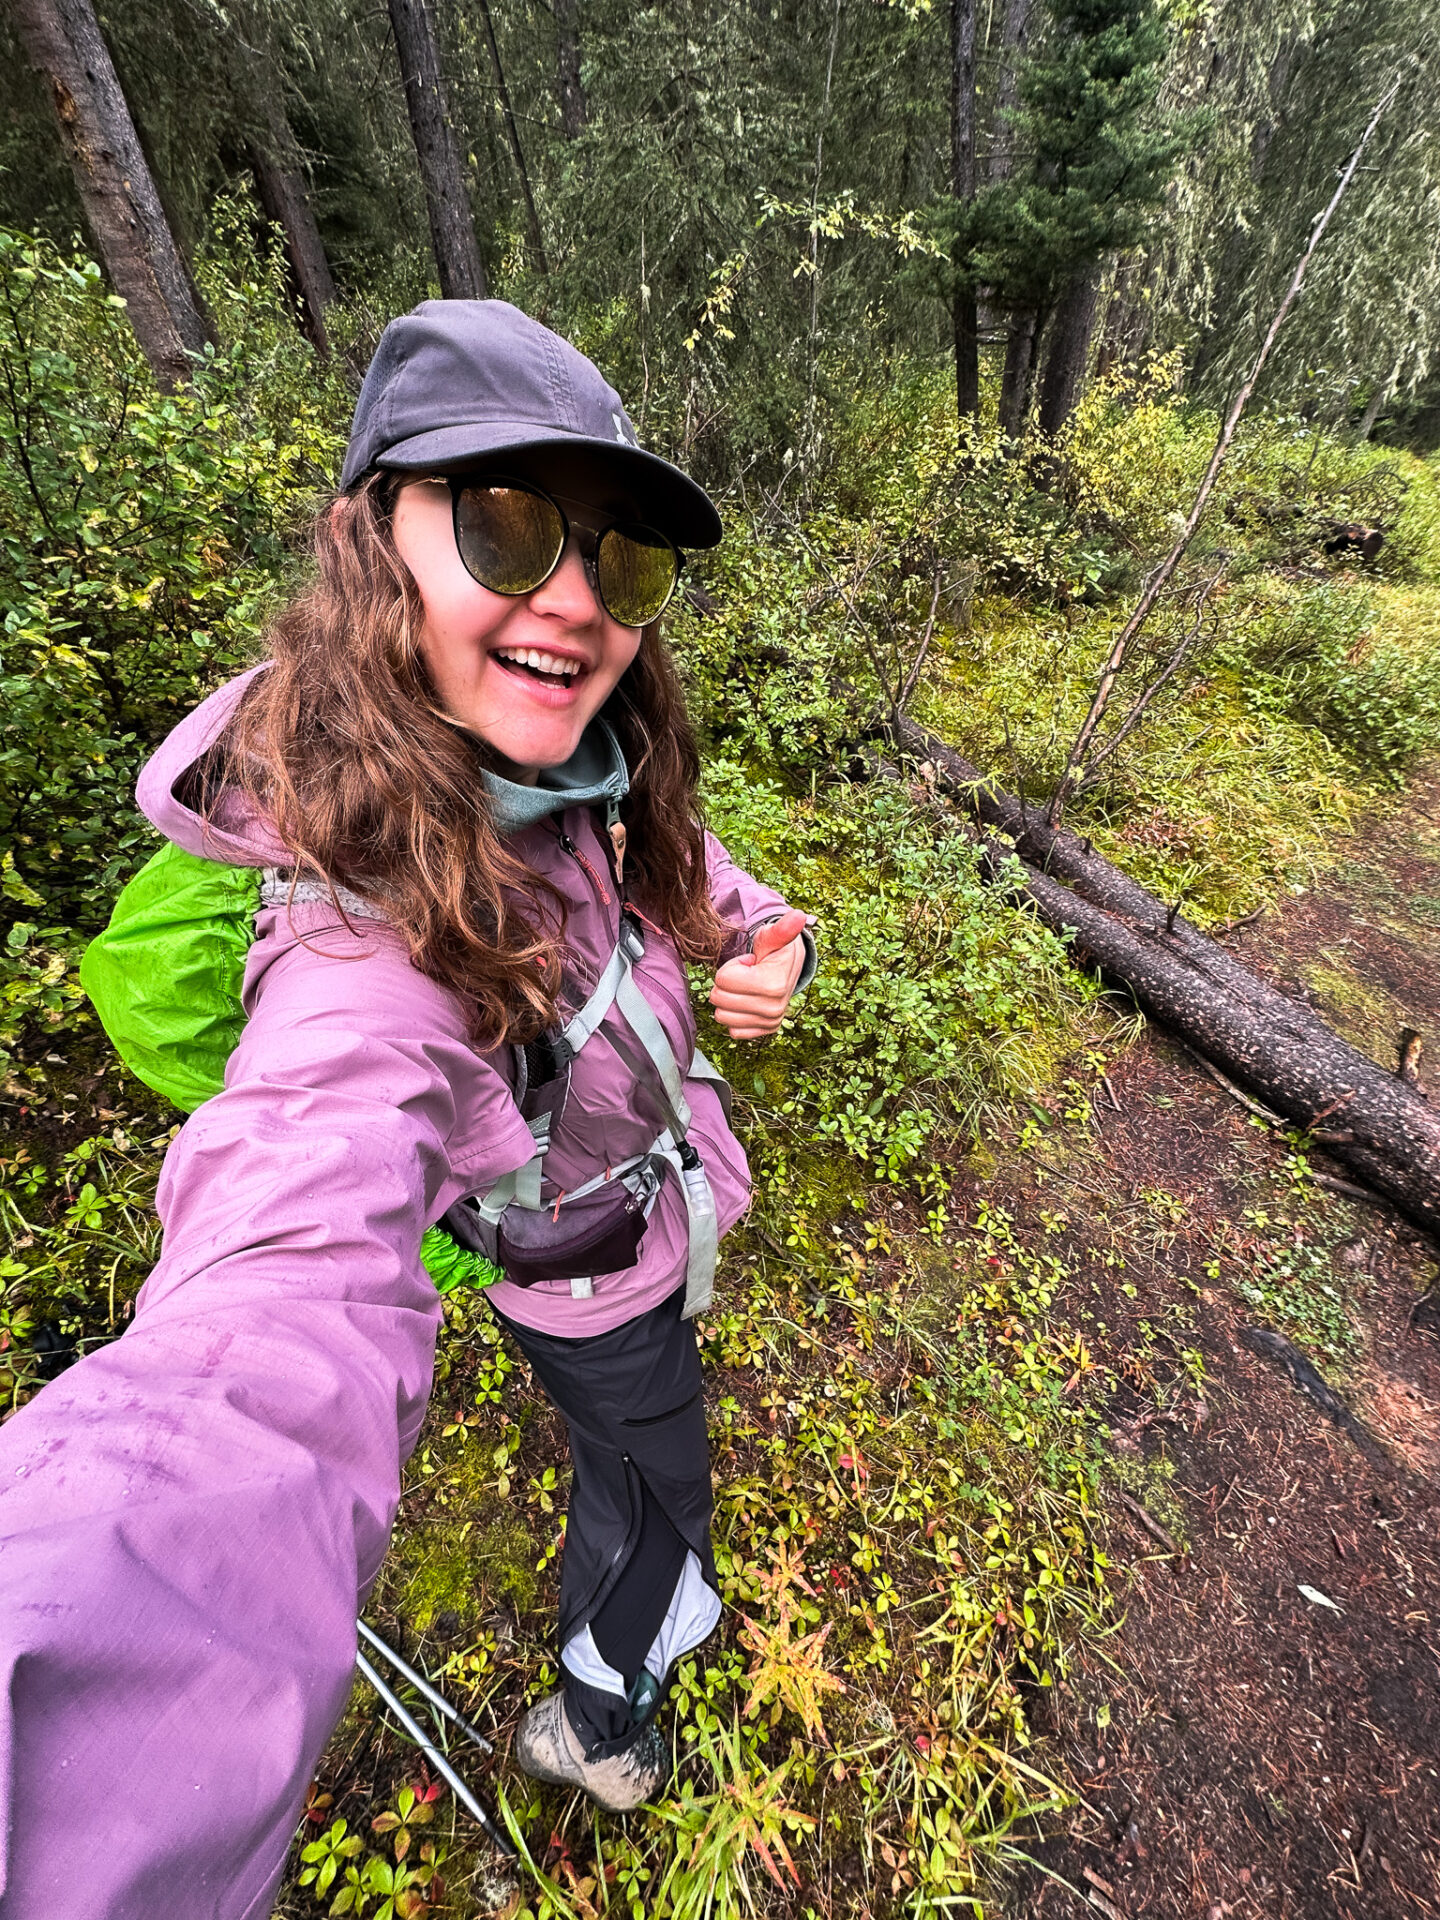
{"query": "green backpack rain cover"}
pixel 165 978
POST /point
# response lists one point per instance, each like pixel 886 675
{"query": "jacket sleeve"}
pixel 190 1515
pixel 746 904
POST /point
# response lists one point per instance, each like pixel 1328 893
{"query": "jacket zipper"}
pixel 570 847
pixel 620 1556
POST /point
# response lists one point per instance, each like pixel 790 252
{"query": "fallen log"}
pixel 1273 1046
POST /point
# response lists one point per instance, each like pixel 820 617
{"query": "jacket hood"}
pixel 240 836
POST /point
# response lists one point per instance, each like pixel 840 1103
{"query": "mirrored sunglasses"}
pixel 511 537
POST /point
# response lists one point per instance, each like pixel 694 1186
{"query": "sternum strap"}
pixel 616 987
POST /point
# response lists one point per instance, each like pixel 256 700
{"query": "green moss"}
pixel 464 1567
pixel 470 1552
pixel 1365 1015
pixel 1149 1482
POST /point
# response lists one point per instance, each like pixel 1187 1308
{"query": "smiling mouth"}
pixel 550 669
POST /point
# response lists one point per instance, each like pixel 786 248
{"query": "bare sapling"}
pixel 1182 651
pixel 1165 572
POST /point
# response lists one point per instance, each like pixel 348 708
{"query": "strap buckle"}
pixel 632 938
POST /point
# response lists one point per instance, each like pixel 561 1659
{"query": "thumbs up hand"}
pixel 751 993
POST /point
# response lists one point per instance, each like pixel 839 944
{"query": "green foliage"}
pixel 40 991
pixel 325 1858
pixel 904 1478
pixel 141 540
pixel 1292 1283
pixel 1321 658
pixel 1095 152
pixel 936 1001
pixel 1132 454
pixel 77 1239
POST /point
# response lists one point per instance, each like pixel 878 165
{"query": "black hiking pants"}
pixel 640 1499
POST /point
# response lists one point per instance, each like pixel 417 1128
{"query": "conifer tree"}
pixel 1093 156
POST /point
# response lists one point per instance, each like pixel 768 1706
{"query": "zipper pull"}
pixel 617 841
pixel 567 845
pixel 615 827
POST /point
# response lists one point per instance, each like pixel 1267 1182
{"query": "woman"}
pixel 467 770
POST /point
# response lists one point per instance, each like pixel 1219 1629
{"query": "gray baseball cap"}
pixel 456 383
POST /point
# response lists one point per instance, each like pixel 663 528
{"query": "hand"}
pixel 751 993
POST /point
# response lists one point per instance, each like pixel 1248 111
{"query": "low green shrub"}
pixel 937 1001
pixel 141 538
pixel 1321 657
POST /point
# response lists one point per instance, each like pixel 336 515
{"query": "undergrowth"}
pixel 904 1392
pixel 904 1472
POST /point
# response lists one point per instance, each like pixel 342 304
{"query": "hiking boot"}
pixel 547 1747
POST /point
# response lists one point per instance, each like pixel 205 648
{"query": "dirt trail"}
pixel 1256 1750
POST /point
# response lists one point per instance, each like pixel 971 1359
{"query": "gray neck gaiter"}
pixel 594 773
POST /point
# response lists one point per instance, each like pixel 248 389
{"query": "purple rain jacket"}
pixel 191 1515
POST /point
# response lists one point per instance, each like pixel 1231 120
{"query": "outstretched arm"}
pixel 189 1516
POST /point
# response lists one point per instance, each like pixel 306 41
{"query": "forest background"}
pixel 943 304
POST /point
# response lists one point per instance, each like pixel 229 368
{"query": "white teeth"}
pixel 551 663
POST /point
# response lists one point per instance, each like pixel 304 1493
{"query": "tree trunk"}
pixel 285 199
pixel 532 219
pixel 1128 315
pixel 1017 383
pixel 573 111
pixel 117 190
pixel 1070 332
pixel 962 187
pixel 272 154
pixel 452 229
pixel 1372 410
pixel 1013 35
pixel 1274 1047
pixel 1377 402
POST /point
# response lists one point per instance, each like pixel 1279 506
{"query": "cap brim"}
pixel 638 481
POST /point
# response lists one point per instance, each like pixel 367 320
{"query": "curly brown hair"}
pixel 344 745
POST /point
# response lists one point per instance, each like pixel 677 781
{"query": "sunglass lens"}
pixel 508 537
pixel 636 570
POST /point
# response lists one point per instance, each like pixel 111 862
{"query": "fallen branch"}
pixel 1229 1086
pixel 1144 1518
pixel 1349 1190
pixel 1274 1049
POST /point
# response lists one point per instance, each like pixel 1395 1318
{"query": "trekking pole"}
pixel 427 1746
pixel 418 1680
